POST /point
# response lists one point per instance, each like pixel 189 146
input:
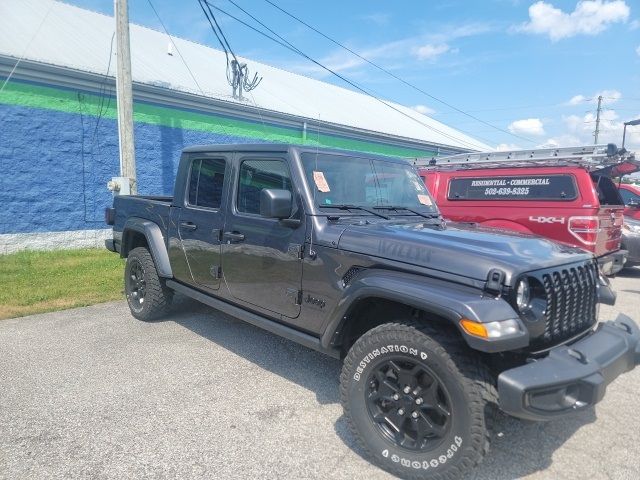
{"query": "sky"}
pixel 530 71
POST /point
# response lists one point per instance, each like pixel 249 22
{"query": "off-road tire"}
pixel 156 298
pixel 467 380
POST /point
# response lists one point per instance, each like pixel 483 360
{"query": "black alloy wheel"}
pixel 136 283
pixel 409 404
pixel 418 400
pixel 147 294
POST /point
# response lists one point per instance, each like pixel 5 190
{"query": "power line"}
pixel 215 31
pixel 26 49
pixel 176 47
pixel 288 45
pixel 239 76
pixel 400 79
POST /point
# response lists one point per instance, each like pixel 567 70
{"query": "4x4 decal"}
pixel 547 219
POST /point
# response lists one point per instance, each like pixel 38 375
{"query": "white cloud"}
pixel 427 46
pixel 581 127
pixel 590 17
pixel 577 99
pixel 431 51
pixel 423 109
pixel 527 126
pixel 608 96
pixel 505 147
pixel 562 140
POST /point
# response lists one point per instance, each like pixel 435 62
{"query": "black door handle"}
pixel 188 226
pixel 233 236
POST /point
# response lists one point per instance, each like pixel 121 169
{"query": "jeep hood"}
pixel 459 249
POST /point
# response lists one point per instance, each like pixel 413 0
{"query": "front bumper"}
pixel 571 377
pixel 612 263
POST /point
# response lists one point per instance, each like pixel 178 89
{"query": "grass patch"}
pixel 36 282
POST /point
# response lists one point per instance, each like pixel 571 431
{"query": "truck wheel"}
pixel 417 401
pixel 146 293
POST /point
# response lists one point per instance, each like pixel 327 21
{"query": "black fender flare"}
pixel 445 299
pixel 155 240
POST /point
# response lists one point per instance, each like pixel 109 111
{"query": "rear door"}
pixel 202 217
pixel 261 256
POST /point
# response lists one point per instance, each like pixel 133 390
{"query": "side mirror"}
pixel 275 203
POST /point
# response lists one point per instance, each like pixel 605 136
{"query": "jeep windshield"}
pixel 357 185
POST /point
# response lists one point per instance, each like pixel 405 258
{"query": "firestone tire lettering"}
pixel 426 464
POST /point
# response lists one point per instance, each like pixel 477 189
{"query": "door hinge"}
pixel 216 271
pixel 295 250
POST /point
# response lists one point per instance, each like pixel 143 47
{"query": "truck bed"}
pixel 153 207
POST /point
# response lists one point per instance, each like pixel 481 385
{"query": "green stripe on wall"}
pixel 36 96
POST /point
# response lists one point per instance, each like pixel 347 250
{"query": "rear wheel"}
pixel 417 401
pixel 147 295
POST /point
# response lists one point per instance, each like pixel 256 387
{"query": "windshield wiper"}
pixel 356 207
pixel 397 207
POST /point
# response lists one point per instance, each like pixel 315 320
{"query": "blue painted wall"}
pixel 54 166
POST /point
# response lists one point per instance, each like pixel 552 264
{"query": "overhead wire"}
pixel 288 45
pixel 102 93
pixel 184 61
pixel 237 73
pixel 26 49
pixel 176 47
pixel 400 79
pixel 215 31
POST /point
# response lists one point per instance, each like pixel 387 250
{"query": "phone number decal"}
pixel 507 191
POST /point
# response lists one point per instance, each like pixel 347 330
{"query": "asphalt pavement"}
pixel 94 393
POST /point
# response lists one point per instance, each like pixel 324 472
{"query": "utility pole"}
pixel 124 95
pixel 596 133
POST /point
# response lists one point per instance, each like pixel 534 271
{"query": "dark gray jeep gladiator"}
pixel 437 324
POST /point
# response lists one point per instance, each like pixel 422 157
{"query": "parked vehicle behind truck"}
pixel 437 324
pixel 566 195
pixel 630 194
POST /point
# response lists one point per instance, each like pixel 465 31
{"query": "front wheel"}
pixel 147 295
pixel 417 401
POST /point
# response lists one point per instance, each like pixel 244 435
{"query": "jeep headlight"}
pixel 523 294
pixel 498 329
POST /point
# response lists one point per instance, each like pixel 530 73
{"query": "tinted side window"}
pixel 256 175
pixel 526 187
pixel 206 182
pixel 629 197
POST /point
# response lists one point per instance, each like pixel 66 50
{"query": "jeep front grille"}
pixel 571 301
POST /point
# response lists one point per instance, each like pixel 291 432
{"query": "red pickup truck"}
pixel 534 192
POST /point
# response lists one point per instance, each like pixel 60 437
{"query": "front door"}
pixel 260 256
pixel 201 220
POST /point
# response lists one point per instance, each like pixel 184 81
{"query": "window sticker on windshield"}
pixel 425 200
pixel 321 182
